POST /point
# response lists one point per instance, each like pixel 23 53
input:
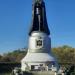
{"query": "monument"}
pixel 39 59
pixel 39 55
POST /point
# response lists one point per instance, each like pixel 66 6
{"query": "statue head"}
pixel 39 1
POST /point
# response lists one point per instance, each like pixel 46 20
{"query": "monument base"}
pixel 19 72
pixel 40 73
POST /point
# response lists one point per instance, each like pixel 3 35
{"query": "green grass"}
pixel 5 74
pixel 73 73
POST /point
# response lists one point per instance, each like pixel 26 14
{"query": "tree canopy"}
pixel 64 54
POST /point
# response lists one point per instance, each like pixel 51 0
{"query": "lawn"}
pixel 11 74
pixel 5 74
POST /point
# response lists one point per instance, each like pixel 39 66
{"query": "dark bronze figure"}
pixel 39 21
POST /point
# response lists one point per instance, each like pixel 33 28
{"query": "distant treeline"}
pixel 64 54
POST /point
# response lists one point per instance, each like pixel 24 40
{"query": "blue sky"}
pixel 15 20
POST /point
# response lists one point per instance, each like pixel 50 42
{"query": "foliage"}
pixel 14 56
pixel 64 54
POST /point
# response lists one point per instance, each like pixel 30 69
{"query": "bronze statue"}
pixel 39 21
